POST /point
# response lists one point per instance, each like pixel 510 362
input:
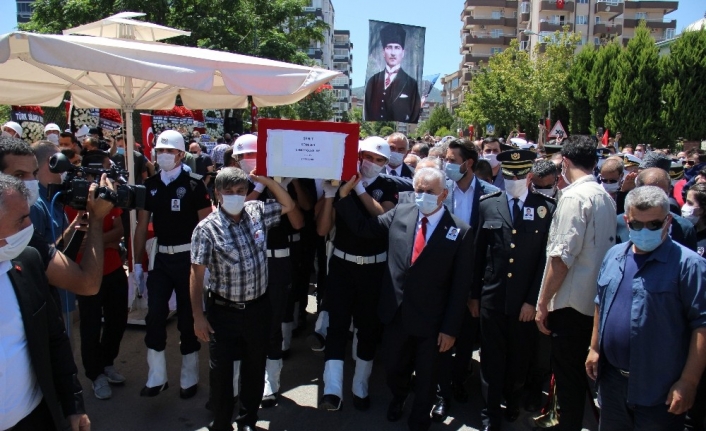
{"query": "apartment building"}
pixel 343 62
pixel 322 52
pixel 24 10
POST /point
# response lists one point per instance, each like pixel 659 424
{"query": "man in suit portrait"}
pixel 424 290
pixel 391 94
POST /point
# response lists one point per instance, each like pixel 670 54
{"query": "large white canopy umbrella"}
pixel 120 26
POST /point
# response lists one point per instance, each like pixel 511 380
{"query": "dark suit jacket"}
pixel 407 172
pixel 400 102
pixel 506 277
pixel 403 184
pixel 431 295
pixel 48 345
pixel 683 231
pixel 482 188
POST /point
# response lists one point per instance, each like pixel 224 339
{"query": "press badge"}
pixel 529 214
pixel 453 233
pixel 176 204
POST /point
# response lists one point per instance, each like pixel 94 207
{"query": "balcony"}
pixel 489 39
pixel 550 5
pixel 469 4
pixel 612 7
pixel 475 58
pixel 657 24
pixel 608 30
pixel 470 21
pixel 524 17
pixel 467 76
pixel 551 26
pixel 664 7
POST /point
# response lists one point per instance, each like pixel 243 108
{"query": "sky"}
pixel 442 19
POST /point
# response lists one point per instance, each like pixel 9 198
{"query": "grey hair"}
pixel 397 136
pixel 229 177
pixel 43 150
pixel 8 185
pixel 542 168
pixel 430 173
pixel 645 198
pixel 438 163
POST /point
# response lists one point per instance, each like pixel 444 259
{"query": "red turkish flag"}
pixel 560 4
pixel 253 118
pixel 147 135
pixel 606 137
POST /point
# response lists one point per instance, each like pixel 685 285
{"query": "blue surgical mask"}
pixel 121 151
pixel 645 239
pixel 427 203
pixel 453 172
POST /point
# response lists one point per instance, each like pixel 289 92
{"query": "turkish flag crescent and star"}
pixel 147 135
pixel 560 4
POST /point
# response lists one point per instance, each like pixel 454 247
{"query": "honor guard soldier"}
pixel 177 200
pixel 355 275
pixel 511 244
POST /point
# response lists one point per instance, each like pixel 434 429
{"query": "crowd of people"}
pixel 570 262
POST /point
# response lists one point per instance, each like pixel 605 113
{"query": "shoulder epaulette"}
pixel 195 176
pixel 549 198
pixel 490 195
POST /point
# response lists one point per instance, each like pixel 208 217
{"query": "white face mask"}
pixel 197 139
pixel 639 154
pixel 564 168
pixel 7 134
pixel 247 165
pixel 426 202
pixel 396 159
pixel 233 204
pixel 16 243
pixel 687 211
pixel 54 139
pixel 33 186
pixel 611 188
pixel 166 161
pixel 515 188
pixel 492 159
pixel 369 169
pixel 546 192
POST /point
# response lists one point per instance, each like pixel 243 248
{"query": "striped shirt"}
pixel 236 253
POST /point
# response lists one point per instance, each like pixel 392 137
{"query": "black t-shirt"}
pixel 140 164
pixel 175 207
pixel 382 190
pixel 202 163
pixel 278 236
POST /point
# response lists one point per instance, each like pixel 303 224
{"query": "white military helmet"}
pixel 170 139
pixel 82 132
pixel 375 144
pixel 14 126
pixel 51 127
pixel 245 144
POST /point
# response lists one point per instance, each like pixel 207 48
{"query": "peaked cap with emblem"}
pixel 550 150
pixel 516 162
pixel 603 153
pixel 630 160
pixel 393 33
pixel 676 171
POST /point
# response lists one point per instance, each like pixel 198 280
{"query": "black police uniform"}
pixel 510 261
pixel 353 287
pixel 174 209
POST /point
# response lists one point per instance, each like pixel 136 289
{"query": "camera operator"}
pixel 17 160
pixel 177 200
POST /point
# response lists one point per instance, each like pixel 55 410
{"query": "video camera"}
pixel 75 186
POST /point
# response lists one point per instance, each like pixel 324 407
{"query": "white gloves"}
pixel 137 277
pixel 259 187
pixel 329 190
pixel 359 188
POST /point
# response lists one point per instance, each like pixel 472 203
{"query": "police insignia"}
pixel 377 194
pixel 153 192
pixel 181 192
pixel 542 211
pixel 164 140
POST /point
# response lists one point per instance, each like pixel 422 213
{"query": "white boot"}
pixel 189 370
pixel 354 345
pixel 236 378
pixel 361 377
pixel 273 370
pixel 287 328
pixel 333 378
pixel 157 374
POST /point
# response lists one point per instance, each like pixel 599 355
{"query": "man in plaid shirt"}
pixel 232 244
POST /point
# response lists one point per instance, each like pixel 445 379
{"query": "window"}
pixel 24 8
pixel 669 33
pixel 596 41
pixel 454 83
pixel 641 15
pixel 598 20
pixel 496 32
pixel 525 7
pixel 340 52
pixel 494 51
pixel 558 19
pixel 524 44
pixel 582 19
pixel 496 14
pixel 582 1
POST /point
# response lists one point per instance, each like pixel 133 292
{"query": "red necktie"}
pixel 420 240
pixel 389 76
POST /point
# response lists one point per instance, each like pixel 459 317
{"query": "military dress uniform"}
pixel 510 258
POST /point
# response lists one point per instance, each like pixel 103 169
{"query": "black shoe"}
pixel 440 411
pixel 331 403
pixel 362 404
pixel 246 428
pixel 316 342
pixel 460 394
pixel 512 413
pixel 187 393
pixel 395 410
pixel 534 401
pixel 269 401
pixel 154 391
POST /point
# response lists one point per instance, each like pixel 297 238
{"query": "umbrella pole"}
pixel 130 156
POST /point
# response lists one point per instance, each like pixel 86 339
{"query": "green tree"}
pixel 345 117
pixel 683 89
pixel 385 131
pixel 601 80
pixel 551 66
pixel 442 131
pixel 579 103
pixel 5 113
pixel 439 117
pixel 317 106
pixel 635 101
pixel 366 128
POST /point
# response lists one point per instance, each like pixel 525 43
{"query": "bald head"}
pixel 657 177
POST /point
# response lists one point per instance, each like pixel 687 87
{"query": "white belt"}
pixel 173 249
pixel 283 252
pixel 295 237
pixel 360 260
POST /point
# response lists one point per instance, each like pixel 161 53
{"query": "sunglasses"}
pixel 551 186
pixel 689 162
pixel 650 225
pixel 603 180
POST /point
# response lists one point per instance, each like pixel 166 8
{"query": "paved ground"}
pixel 301 384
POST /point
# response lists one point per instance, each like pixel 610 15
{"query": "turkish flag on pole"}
pixel 253 118
pixel 605 138
pixel 147 135
pixel 68 104
pixel 560 4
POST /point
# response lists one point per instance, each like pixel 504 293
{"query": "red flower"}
pixel 33 109
pixel 111 115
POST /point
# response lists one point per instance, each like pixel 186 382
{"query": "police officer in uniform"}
pixel 510 257
pixel 355 276
pixel 177 200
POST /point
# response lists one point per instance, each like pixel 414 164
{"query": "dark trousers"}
pixel 238 335
pixel 39 419
pixel 99 350
pixel 353 290
pixel 278 290
pixel 170 274
pixel 405 353
pixel 506 350
pixel 322 274
pixel 697 413
pixel 571 336
pixel 618 415
pixel 540 369
pixel 453 370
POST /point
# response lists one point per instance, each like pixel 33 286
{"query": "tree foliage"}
pixel 579 103
pixel 684 86
pixel 635 101
pixel 440 117
pixel 600 83
pixel 370 128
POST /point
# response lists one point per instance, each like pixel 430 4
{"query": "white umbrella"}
pixel 120 26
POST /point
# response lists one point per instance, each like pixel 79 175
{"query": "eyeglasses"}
pixel 603 180
pixel 650 225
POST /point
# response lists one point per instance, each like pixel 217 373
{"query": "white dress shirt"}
pixel 168 177
pixel 432 221
pixel 19 390
pixel 462 202
pixel 392 74
pixel 397 170
pixel 521 203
